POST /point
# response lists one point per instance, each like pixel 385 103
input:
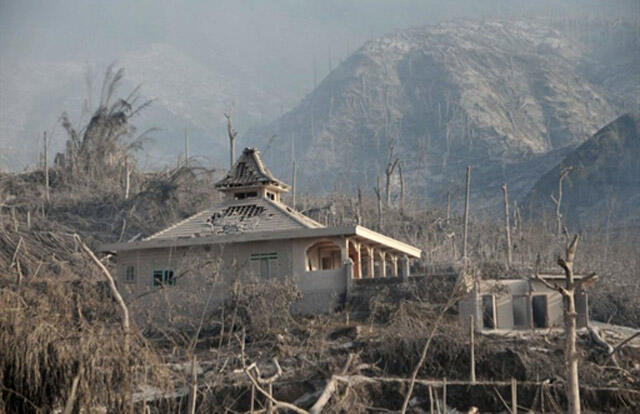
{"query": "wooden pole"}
pixel 127 178
pixel 430 400
pixel 506 223
pixel 193 392
pixel 379 196
pixel 253 398
pixel 293 185
pixel 448 206
pixel 472 348
pixel 401 188
pixel 466 214
pixel 514 396
pixel 15 219
pixel 270 402
pixel 46 169
pixel 186 148
pixel 444 395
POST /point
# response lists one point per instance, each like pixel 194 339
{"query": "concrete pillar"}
pixel 383 263
pixel 371 265
pixel 344 250
pixel 354 257
pixel 405 267
pixel 394 265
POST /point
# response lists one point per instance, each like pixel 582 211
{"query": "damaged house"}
pixel 519 304
pixel 252 233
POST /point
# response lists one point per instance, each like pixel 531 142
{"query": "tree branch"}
pixel 553 286
pixel 586 281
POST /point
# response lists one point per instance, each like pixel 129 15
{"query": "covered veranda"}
pixel 371 254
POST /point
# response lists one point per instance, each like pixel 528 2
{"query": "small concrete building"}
pixel 519 304
pixel 252 233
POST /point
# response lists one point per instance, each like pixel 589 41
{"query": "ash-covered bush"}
pixel 55 332
pixel 264 306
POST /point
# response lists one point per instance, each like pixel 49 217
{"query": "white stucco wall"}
pixel 197 267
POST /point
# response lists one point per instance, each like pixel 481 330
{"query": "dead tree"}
pixel 401 188
pixel 46 168
pixel 359 207
pixel 232 136
pixel 193 386
pixel 186 148
pixel 378 192
pixel 557 201
pixel 466 214
pixel 567 291
pixel 127 178
pixel 517 220
pixel 391 166
pixel 506 222
pixel 293 185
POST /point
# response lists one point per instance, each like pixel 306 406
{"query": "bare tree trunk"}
pixel 391 166
pixel 514 396
pixel 506 223
pixel 293 185
pixel 466 215
pixel 46 168
pixel 186 148
pixel 517 222
pixel 232 136
pixel 472 348
pixel 127 178
pixel 378 192
pixel 558 201
pixel 193 391
pixel 401 189
pixel 571 355
pixel 114 292
pixel 359 207
pixel 448 206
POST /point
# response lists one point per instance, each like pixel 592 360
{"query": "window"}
pixel 163 278
pixel 265 264
pixel 242 196
pixel 539 309
pixel 271 196
pixel 327 263
pixel 130 274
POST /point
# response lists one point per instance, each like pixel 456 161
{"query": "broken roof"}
pixel 249 171
pixel 238 216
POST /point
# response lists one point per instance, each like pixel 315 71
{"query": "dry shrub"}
pixel 615 304
pixel 264 306
pixel 402 340
pixel 52 332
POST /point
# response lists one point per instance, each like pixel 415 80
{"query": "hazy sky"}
pixel 277 41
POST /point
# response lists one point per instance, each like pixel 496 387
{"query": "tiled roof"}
pixel 238 216
pixel 248 171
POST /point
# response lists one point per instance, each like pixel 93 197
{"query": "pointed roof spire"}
pixel 249 171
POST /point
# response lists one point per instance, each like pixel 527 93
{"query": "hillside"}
pixel 490 94
pixel 604 185
pixel 185 94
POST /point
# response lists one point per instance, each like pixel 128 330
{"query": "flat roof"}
pixel 347 231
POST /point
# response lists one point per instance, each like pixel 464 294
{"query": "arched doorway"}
pixel 323 255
